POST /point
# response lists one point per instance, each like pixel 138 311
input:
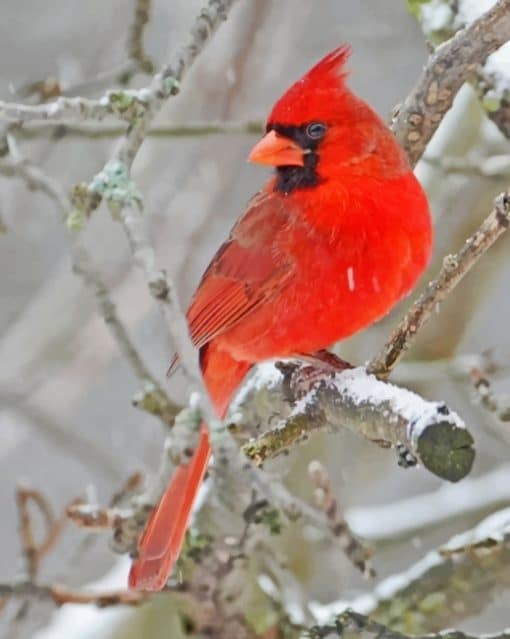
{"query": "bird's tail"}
pixel 161 541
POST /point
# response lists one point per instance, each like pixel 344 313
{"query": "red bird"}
pixel 337 236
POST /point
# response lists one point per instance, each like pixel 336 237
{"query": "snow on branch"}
pixel 422 432
pixel 452 64
pixel 353 624
pixel 447 586
pixel 439 19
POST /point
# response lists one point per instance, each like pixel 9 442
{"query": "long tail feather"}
pixel 161 542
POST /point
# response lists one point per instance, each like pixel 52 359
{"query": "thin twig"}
pixel 63 594
pixel 35 130
pixel 34 552
pixel 453 270
pixel 357 553
pixel 114 182
pixel 135 46
pixel 497 405
pixel 131 485
pixel 152 398
pixel 95 518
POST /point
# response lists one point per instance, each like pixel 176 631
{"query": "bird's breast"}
pixel 354 259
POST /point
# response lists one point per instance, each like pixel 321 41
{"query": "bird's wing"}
pixel 246 272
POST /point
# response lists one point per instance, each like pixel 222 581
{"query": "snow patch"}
pixel 357 386
pixel 266 375
pixel 471 10
pixel 498 66
pixel 430 509
pixel 81 621
pixel 435 16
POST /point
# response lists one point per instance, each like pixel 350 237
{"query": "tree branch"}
pixel 65 595
pixel 451 64
pixel 115 185
pixel 135 45
pixel 451 584
pixel 355 550
pixel 424 432
pixel 351 623
pixel 87 130
pixel 152 398
pixel 453 270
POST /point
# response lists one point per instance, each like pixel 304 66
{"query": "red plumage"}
pixel 331 243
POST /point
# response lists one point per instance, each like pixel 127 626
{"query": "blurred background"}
pixel 67 425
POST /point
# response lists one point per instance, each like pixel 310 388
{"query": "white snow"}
pixel 498 66
pixel 266 375
pixel 470 10
pixel 360 387
pixel 435 16
pixel 495 527
pixel 88 621
pixel 429 509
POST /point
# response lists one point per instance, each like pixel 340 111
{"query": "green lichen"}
pixel 436 18
pixel 115 185
pixel 75 220
pixel 170 85
pixel 491 102
pixel 414 7
pixel 432 602
pixel 195 545
pixel 130 105
pixel 261 512
pixel 154 400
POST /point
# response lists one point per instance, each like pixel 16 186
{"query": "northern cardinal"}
pixel 336 237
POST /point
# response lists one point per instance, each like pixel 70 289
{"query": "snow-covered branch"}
pixel 354 624
pixel 448 585
pixel 452 64
pixel 439 19
pixel 421 431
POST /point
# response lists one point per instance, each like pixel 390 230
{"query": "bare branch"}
pixel 33 552
pixel 62 109
pixel 453 270
pixel 63 594
pixel 114 183
pixel 499 406
pixel 94 518
pixel 353 548
pixel 88 130
pixel 135 46
pixel 152 398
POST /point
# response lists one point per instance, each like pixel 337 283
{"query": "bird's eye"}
pixel 316 130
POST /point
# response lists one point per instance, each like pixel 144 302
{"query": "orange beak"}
pixel 277 150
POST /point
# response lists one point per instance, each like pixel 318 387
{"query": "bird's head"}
pixel 319 127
